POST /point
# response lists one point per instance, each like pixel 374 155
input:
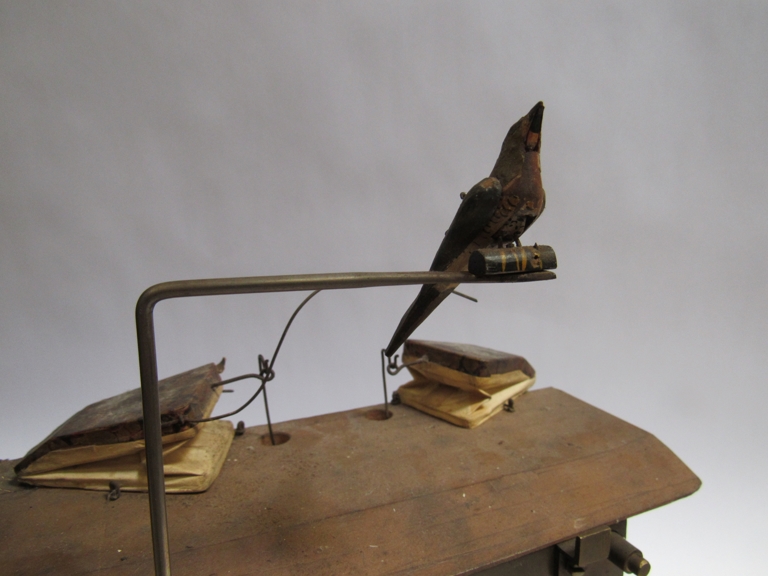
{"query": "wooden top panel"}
pixel 350 495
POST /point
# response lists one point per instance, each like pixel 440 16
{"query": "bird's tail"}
pixel 429 298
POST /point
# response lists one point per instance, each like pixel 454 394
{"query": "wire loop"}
pixel 266 374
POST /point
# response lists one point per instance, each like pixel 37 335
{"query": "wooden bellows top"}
pixel 467 358
pixel 185 396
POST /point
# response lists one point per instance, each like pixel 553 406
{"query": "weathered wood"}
pixel 466 358
pixel 118 419
pixel 457 406
pixel 351 495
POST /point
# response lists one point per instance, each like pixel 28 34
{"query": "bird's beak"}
pixel 535 116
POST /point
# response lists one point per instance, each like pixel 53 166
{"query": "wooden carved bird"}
pixel 494 213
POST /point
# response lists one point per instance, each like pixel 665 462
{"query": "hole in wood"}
pixel 280 438
pixel 378 414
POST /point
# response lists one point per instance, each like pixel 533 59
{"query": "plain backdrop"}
pixel 143 142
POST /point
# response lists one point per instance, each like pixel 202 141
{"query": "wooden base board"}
pixel 352 495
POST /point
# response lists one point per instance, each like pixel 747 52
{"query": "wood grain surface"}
pixel 351 495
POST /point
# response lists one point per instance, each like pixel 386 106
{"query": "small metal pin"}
pixel 467 296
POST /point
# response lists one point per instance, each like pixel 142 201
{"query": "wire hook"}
pixel 391 367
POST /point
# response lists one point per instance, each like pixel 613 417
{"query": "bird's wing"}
pixel 474 213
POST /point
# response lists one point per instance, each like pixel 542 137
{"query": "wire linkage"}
pixel 266 374
pixel 391 367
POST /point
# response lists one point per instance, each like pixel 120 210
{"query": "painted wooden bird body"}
pixel 495 212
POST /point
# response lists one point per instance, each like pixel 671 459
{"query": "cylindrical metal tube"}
pixel 492 261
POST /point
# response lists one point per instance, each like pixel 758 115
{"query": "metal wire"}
pixel 145 331
pixel 390 366
pixel 384 380
pixel 467 296
pixel 280 343
pixel 266 373
pixel 243 407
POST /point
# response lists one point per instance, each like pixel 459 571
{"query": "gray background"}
pixel 144 142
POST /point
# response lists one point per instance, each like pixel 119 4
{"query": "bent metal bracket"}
pixel 250 285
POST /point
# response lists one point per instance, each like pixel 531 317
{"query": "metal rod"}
pixel 384 380
pixel 269 419
pixel 145 331
pixel 467 296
